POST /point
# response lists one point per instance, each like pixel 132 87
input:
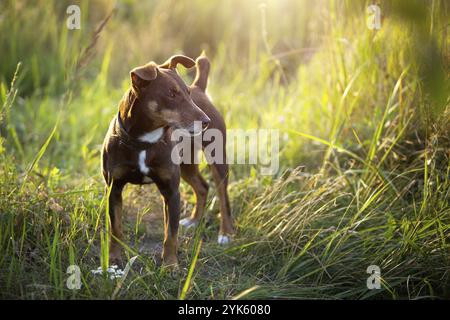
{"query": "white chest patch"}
pixel 152 136
pixel 142 166
pixel 147 180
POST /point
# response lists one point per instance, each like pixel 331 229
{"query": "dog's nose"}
pixel 205 123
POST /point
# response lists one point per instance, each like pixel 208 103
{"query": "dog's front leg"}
pixel 171 220
pixel 115 215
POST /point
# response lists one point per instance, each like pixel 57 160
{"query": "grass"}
pixel 364 173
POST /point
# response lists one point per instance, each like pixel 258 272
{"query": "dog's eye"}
pixel 173 93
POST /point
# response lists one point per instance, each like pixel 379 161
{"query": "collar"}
pixel 130 141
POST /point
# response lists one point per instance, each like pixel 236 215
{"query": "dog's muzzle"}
pixel 195 128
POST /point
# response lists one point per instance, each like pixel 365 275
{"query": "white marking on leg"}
pixel 146 179
pixel 152 136
pixel 188 223
pixel 223 239
pixel 142 166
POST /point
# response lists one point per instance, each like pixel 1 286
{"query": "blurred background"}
pixel 363 116
pixel 282 64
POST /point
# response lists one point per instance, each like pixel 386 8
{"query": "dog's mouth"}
pixel 194 129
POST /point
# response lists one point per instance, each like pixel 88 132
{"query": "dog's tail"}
pixel 201 78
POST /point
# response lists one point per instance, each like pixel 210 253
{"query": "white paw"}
pixel 223 239
pixel 188 223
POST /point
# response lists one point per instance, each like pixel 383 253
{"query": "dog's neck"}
pixel 128 124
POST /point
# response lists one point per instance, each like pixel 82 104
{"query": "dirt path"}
pixel 144 220
pixel 143 216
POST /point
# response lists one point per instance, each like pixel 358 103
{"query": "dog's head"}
pixel 163 96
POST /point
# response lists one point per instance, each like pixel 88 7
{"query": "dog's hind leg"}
pixel 220 175
pixel 115 215
pixel 191 174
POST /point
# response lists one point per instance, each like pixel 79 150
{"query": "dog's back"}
pixel 219 169
pixel 201 99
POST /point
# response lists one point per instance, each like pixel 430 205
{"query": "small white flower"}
pixel 113 271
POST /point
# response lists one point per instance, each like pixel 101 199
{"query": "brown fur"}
pixel 159 98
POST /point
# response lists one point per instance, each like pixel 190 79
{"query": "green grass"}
pixel 364 149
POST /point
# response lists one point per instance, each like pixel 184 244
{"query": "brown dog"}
pixel 137 148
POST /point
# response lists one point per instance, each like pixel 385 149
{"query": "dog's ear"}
pixel 141 75
pixel 172 62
